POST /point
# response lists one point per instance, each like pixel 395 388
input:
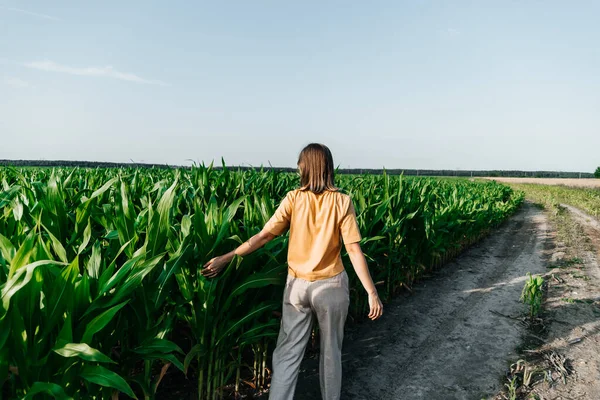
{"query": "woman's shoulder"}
pixel 341 199
pixel 293 193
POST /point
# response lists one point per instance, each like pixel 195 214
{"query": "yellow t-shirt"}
pixel 318 223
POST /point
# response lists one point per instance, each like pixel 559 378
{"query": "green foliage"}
pixel 99 269
pixel 532 294
pixel 597 173
pixel 512 387
pixel 551 197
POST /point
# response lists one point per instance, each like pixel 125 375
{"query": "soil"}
pixel 573 307
pixel 446 340
pixel 584 182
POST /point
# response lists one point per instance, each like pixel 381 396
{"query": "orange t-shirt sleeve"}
pixel 349 226
pixel 280 221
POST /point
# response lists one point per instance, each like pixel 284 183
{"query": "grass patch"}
pixel 568 263
pixel 584 277
pixel 550 197
pixel 579 301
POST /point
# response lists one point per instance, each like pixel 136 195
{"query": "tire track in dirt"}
pixel 442 342
pixel 585 220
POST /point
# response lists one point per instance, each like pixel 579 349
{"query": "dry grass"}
pixel 584 182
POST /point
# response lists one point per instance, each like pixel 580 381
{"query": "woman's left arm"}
pixel 217 264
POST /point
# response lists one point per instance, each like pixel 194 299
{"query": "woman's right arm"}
pixel 217 264
pixel 362 271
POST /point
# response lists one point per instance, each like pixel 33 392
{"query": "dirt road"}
pixel 443 341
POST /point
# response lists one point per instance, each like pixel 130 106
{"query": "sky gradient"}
pixel 396 84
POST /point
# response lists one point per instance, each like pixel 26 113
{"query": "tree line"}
pixel 357 171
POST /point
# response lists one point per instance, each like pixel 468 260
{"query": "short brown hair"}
pixel 316 168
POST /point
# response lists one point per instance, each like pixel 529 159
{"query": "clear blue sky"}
pixel 401 84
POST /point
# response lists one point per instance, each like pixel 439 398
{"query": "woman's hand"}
pixel 214 266
pixel 376 308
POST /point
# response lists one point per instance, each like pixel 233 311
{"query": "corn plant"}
pixel 532 294
pixel 512 387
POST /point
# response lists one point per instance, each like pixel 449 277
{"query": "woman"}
pixel 319 218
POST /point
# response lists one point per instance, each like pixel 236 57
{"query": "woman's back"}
pixel 317 223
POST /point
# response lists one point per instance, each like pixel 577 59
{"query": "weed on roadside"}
pixel 580 301
pixel 532 294
pixel 568 263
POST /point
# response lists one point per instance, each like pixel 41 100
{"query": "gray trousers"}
pixel 328 300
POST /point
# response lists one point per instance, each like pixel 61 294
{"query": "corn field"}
pixel 101 295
